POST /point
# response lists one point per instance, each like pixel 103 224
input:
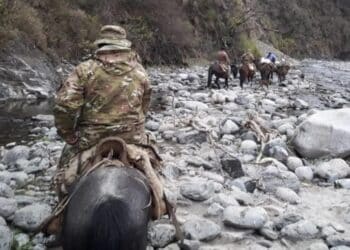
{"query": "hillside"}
pixel 169 32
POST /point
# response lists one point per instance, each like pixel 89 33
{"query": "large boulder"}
pixel 30 217
pixel 325 133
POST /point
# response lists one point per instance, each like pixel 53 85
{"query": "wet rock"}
pixel 7 207
pixel 201 229
pixel 338 240
pixel 160 235
pixel 318 246
pixel 294 162
pixel 229 127
pixel 6 191
pixel 249 147
pixel 286 194
pixel 232 166
pixel 30 217
pixel 342 183
pixel 333 170
pixel 326 133
pixel 304 173
pixel 16 153
pixel 245 217
pixel 5 238
pixel 302 230
pixel 197 190
pixel 272 178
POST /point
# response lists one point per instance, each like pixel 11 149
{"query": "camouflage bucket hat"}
pixel 112 38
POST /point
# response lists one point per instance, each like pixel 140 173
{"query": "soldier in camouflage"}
pixel 105 96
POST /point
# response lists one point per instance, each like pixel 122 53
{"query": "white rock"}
pixel 229 127
pixel 326 133
pixel 304 173
pixel 245 217
pixel 201 229
pixel 288 195
pixel 268 105
pixel 333 170
pixel 6 238
pixel 294 162
pixel 248 147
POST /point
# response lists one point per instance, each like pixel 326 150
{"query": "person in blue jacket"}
pixel 272 57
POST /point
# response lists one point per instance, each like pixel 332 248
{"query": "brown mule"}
pixel 246 73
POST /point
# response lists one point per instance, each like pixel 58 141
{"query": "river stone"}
pixel 6 191
pixel 30 217
pixel 272 178
pixel 197 190
pixel 287 219
pixel 225 200
pixel 16 153
pixel 201 229
pixel 342 183
pixel 160 235
pixel 286 194
pixel 152 125
pixel 268 105
pixel 6 237
pixel 214 210
pixel 245 217
pixel 326 133
pixel 232 166
pixel 318 246
pixel 194 105
pixel 21 239
pixel 229 127
pixel 7 207
pixel 249 147
pixel 276 149
pixel 333 170
pixel 340 248
pixel 244 183
pixel 2 221
pixel 294 162
pixel 20 178
pixel 338 240
pixel 304 173
pixel 302 230
pixel 193 136
pixel 173 246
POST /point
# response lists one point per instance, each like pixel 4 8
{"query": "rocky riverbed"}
pixel 230 161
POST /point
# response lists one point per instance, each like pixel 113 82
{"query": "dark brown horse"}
pixel 217 70
pixel 246 73
pixel 266 71
pixel 282 71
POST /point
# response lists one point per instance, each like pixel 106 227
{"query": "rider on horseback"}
pixel 223 59
pixel 248 59
pixel 108 95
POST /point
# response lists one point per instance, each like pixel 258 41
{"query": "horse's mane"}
pixel 110 226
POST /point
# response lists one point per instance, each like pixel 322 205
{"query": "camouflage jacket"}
pixel 247 58
pixel 111 96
